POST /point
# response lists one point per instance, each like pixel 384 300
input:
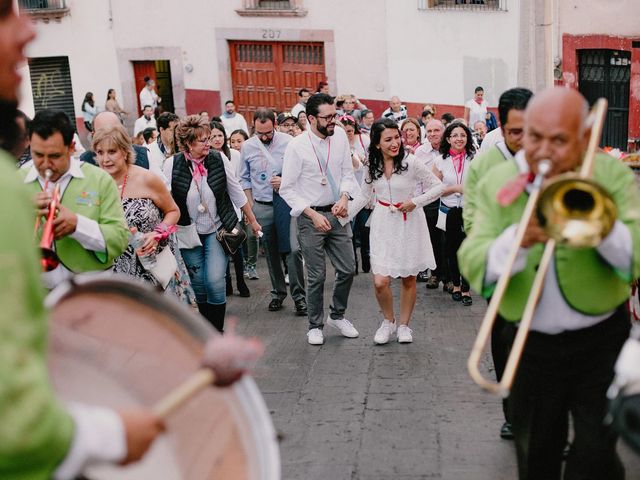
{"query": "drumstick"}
pixel 226 358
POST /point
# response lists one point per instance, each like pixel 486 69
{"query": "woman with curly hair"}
pixel 206 190
pixel 400 244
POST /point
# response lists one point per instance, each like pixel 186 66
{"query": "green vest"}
pixel 35 430
pixel 587 282
pixel 478 169
pixel 96 197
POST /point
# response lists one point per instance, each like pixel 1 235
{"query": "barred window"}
pixel 474 5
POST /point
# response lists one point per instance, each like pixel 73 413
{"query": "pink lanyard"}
pixel 326 165
pixel 461 172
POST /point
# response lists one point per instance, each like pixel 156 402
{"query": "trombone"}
pixel 573 210
pixel 49 260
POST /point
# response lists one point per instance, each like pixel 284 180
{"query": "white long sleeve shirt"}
pixel 307 160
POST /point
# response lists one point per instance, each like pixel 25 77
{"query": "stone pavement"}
pixel 349 410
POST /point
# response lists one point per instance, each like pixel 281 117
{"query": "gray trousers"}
pixel 264 216
pixel 315 246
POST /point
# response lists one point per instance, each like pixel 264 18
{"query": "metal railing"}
pixel 273 5
pixel 466 5
pixel 42 4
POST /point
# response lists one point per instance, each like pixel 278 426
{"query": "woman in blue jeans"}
pixel 205 189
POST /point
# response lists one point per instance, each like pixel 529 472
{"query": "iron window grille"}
pixel 466 5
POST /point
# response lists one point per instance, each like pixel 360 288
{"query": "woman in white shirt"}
pixel 456 152
pixel 89 111
pixel 475 110
pixel 400 243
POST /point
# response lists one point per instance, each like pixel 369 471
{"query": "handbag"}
pixel 232 240
pixel 165 267
pixel 188 236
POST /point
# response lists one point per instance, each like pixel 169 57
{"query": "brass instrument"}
pixel 574 211
pixel 49 260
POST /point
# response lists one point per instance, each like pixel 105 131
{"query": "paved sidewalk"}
pixel 349 410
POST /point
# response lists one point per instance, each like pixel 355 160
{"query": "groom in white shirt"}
pixel 317 182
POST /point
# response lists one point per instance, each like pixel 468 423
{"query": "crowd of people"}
pixel 422 199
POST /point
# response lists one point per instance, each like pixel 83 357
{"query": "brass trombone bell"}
pixel 576 211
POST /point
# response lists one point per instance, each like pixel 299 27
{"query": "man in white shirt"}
pixel 232 120
pixel 396 110
pixel 261 159
pixel 428 152
pixel 476 109
pixel 163 147
pixel 145 121
pixel 148 95
pixel 317 182
pixel 303 96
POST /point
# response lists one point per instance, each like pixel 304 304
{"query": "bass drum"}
pixel 118 343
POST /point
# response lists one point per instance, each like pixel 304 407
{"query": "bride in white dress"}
pixel 400 242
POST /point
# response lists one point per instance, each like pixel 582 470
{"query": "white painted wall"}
pixel 610 17
pixel 382 47
pixel 440 56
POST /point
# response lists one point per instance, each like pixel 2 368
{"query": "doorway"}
pixel 160 72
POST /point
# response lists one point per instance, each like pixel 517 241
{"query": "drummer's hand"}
pixel 534 234
pixel 42 201
pixel 407 206
pixel 141 428
pixel 230 356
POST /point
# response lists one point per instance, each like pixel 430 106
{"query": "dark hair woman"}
pixel 220 144
pixel 206 190
pixel 400 243
pixel 112 105
pixel 89 110
pixel 456 152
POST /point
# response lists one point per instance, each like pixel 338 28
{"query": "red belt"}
pixel 397 205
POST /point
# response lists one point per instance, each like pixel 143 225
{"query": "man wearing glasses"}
pixel 317 181
pixel 261 158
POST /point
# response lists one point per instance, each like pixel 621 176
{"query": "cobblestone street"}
pixel 349 410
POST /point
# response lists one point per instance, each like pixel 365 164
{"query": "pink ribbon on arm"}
pixel 513 188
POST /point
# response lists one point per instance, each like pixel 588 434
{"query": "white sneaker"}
pixel 315 337
pixel 345 326
pixel 383 333
pixel 404 334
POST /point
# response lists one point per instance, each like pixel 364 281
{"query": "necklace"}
pixel 123 186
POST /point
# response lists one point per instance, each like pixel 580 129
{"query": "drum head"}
pixel 118 343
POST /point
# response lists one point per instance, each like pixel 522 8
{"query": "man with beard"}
pixel 261 158
pixel 317 182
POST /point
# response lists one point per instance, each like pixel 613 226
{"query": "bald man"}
pixel 581 320
pixel 396 110
pixel 110 119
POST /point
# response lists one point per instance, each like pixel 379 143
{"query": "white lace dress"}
pixel 399 247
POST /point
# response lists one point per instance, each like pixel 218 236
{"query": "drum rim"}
pixel 255 409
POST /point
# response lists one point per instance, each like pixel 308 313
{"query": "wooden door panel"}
pixel 140 70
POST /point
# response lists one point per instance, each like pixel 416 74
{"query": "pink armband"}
pixel 163 231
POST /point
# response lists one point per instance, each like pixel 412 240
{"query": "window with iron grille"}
pixel 42 4
pixel 274 4
pixel 473 5
pixel 271 8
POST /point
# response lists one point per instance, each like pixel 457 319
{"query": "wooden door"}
pixel 141 70
pixel 269 74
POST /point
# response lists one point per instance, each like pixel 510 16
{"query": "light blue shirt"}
pixel 257 168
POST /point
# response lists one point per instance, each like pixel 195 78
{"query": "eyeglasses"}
pixel 203 140
pixel 458 135
pixel 328 118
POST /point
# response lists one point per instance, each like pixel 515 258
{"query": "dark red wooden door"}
pixel 140 70
pixel 269 74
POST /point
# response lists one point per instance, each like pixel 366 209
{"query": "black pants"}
pixel 437 242
pixel 502 336
pixel 453 238
pixel 563 374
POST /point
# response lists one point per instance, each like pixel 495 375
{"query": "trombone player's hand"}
pixel 65 222
pixel 534 233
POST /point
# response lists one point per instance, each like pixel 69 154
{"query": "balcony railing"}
pixel 272 8
pixel 466 5
pixel 44 10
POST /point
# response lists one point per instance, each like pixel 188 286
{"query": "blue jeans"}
pixel 207 266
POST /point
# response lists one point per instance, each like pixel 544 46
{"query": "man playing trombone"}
pixel 581 320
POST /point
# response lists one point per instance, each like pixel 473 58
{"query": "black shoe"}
pixel 506 432
pixel 275 305
pixel 432 282
pixel 301 308
pixel 243 290
pixel 466 300
pixel 447 287
pixel 422 276
pixel 229 286
pixel 456 296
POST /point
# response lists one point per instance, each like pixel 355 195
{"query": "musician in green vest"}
pixel 89 227
pixel 581 320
